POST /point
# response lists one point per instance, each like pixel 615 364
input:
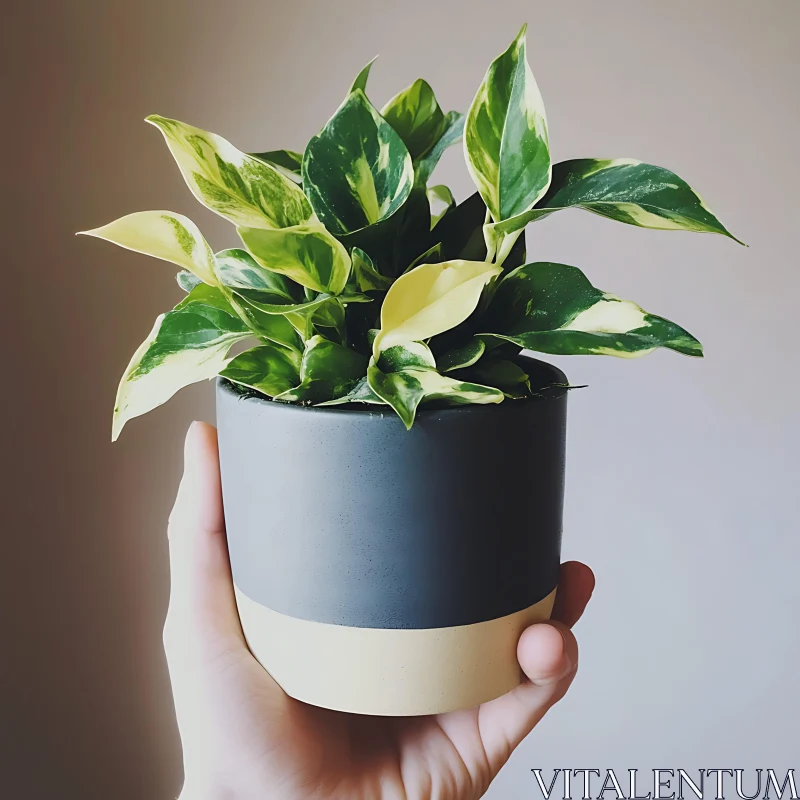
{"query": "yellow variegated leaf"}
pixel 239 187
pixel 405 389
pixel 455 392
pixel 417 117
pixel 308 255
pixel 430 299
pixel 188 344
pixel 162 234
pixel 287 162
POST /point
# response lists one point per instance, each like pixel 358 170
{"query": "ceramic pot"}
pixel 391 572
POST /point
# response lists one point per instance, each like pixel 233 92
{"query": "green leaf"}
pixel 461 233
pixel 366 274
pixel 186 280
pixel 262 301
pixel 332 315
pixel 452 131
pixel 553 308
pixel 404 356
pixel 433 255
pixel 188 344
pixel 401 391
pixel 351 296
pixel 236 186
pixel 430 299
pixel 165 235
pixel 328 371
pixel 625 190
pixel 464 356
pixel 505 137
pixel 417 117
pixel 276 328
pixel 413 230
pixel 324 310
pixel 308 255
pixel 239 270
pixel 503 374
pixel 360 81
pixel 287 162
pixel 268 369
pixel 360 393
pixel 441 202
pixel 357 171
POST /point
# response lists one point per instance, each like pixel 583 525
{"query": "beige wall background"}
pixel 682 477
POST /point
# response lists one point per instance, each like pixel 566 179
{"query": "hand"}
pixel 245 739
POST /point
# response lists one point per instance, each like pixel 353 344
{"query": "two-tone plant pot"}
pixel 391 572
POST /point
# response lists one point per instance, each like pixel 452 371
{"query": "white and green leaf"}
pixel 505 138
pixel 239 187
pixel 308 255
pixel 356 171
pixel 553 308
pixel 624 190
pixel 417 117
pixel 431 299
pixel 441 201
pixel 188 344
pixel 328 371
pixel 165 235
pixel 267 369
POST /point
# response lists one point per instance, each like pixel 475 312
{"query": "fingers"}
pixel 548 655
pixel 576 584
pixel 202 612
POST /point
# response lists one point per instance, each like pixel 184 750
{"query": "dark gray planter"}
pixel 386 571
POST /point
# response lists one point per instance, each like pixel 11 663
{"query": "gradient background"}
pixel 683 474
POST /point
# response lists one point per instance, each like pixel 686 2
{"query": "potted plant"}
pixel 392 464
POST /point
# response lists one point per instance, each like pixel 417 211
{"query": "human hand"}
pixel 245 739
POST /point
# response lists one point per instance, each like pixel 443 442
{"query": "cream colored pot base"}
pixel 398 672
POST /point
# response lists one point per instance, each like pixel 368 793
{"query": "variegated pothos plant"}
pixel 358 282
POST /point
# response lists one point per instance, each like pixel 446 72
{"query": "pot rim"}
pixel 549 392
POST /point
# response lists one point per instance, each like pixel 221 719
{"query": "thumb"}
pixel 548 655
pixel 202 617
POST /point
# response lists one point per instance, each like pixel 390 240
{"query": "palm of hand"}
pixel 243 737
